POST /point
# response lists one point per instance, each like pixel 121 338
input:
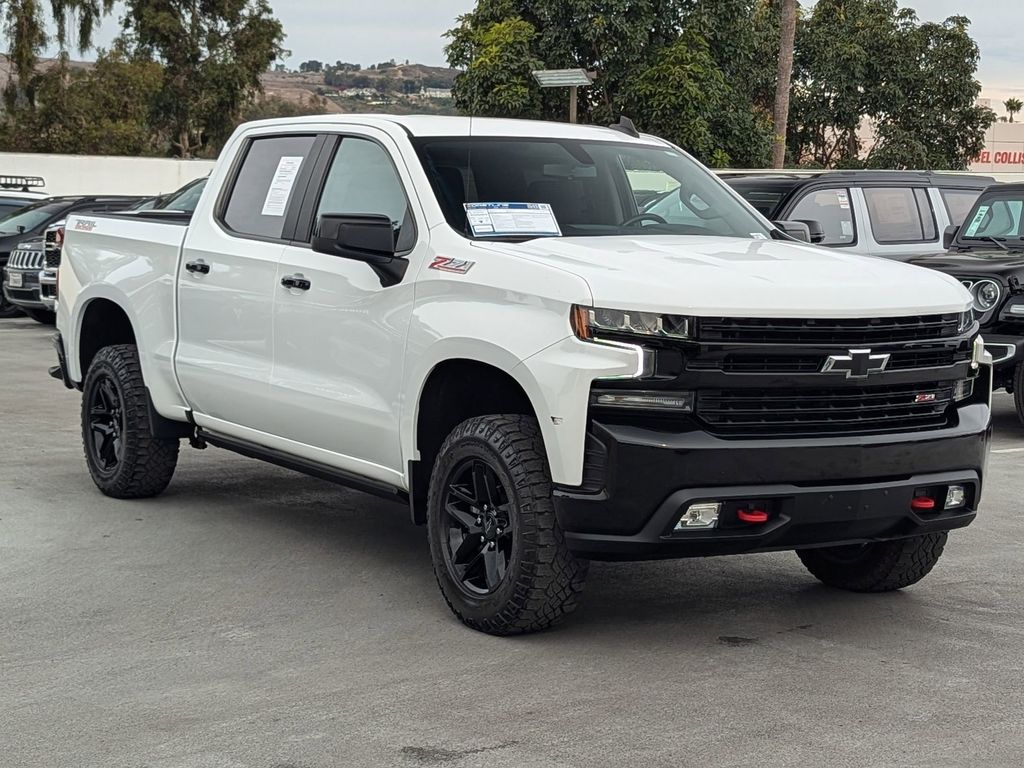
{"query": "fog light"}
pixel 963 389
pixel 956 496
pixel 700 516
pixel 650 401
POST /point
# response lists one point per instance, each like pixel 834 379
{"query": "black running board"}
pixel 305 466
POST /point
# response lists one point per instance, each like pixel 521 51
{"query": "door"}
pixel 227 284
pixel 831 207
pixel 339 338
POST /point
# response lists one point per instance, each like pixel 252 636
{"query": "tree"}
pixel 213 53
pixel 498 62
pixel 100 111
pixel 25 25
pixel 1013 106
pixel 784 82
pixel 311 66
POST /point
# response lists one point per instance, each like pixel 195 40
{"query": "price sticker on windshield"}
pixel 976 222
pixel 515 219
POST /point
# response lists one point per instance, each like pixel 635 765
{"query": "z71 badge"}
pixel 448 264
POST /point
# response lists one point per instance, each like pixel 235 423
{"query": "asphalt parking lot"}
pixel 255 618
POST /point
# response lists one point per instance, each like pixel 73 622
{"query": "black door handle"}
pixel 200 267
pixel 296 281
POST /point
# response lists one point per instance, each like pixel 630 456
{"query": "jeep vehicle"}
pixel 986 254
pixel 894 214
pixel 31 222
pixel 473 316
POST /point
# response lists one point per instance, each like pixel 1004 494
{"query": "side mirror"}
pixel 949 235
pixel 795 229
pixel 815 229
pixel 363 237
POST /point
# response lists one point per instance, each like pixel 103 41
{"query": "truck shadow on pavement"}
pixel 731 601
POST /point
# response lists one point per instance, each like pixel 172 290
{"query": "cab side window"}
pixel 830 208
pixel 363 180
pixel 265 183
pixel 900 214
pixel 959 203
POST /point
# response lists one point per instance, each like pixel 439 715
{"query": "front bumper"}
pixel 27 295
pixel 820 492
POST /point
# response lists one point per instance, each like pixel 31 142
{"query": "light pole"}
pixel 565 78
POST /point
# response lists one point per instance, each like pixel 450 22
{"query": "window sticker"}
pixel 847 228
pixel 281 186
pixel 976 221
pixel 844 199
pixel 758 236
pixel 497 219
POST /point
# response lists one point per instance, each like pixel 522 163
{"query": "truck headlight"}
pixel 587 322
pixel 986 294
pixel 966 321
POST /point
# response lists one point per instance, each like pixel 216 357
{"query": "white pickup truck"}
pixel 476 317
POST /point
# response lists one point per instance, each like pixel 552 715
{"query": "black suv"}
pixel 30 223
pixel 894 214
pixel 986 254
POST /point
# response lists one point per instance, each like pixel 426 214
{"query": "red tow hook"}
pixel 755 516
pixel 922 504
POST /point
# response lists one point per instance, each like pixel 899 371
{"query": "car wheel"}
pixel 41 316
pixel 6 308
pixel 882 566
pixel 1018 390
pixel 498 553
pixel 124 459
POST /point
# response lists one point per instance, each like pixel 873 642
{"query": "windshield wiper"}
pixel 995 240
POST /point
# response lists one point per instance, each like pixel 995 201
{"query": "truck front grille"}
pixel 884 330
pixel 812 362
pixel 832 410
pixel 25 259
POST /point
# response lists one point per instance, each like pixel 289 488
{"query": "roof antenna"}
pixel 625 125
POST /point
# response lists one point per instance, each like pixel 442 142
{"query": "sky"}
pixel 377 30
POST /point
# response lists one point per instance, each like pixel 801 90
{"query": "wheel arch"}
pixel 456 389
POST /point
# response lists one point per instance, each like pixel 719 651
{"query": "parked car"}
pixel 478 318
pixel 18 191
pixel 986 254
pixel 27 225
pixel 895 214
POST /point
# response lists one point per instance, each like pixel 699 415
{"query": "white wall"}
pixel 86 175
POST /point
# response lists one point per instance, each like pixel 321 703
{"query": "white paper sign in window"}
pixel 497 219
pixel 281 186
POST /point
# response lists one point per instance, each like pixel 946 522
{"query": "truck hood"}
pixel 728 276
pixel 980 262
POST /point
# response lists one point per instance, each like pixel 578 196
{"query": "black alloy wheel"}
pixel 478 540
pixel 105 442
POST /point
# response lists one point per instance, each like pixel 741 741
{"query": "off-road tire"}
pixel 147 463
pixel 1018 390
pixel 543 581
pixel 41 316
pixel 882 566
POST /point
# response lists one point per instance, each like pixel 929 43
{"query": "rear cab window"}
pixel 265 183
pixel 900 214
pixel 831 208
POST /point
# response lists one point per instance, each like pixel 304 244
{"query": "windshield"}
pixel 593 188
pixel 30 218
pixel 996 217
pixel 186 199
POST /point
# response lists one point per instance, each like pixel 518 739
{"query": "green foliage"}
pixel 685 97
pixel 311 66
pixel 869 59
pixel 498 63
pixel 24 24
pixel 213 53
pixel 101 111
pixel 1013 106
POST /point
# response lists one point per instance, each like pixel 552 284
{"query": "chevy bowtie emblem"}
pixel 856 365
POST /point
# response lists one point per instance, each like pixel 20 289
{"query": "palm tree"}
pixel 1013 106
pixel 787 39
pixel 25 25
